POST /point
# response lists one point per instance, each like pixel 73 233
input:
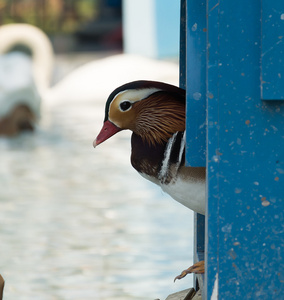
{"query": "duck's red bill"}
pixel 106 132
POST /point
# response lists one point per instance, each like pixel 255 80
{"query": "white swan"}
pixel 95 80
pixel 37 42
pixel 92 82
pixel 24 78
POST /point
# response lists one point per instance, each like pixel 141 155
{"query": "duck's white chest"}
pixel 190 193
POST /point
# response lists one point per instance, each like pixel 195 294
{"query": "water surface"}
pixel 79 222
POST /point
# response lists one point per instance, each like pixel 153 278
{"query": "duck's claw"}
pixel 197 268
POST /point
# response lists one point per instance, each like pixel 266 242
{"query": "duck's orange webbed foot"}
pixel 197 268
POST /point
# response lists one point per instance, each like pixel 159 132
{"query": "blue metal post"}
pixel 272 50
pixel 243 84
pixel 245 157
pixel 193 78
pixel 182 49
pixel 196 83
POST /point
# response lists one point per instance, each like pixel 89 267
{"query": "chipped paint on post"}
pixel 244 68
pixel 214 295
pixel 245 154
pixel 272 50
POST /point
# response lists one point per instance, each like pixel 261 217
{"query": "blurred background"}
pixel 85 25
pixel 78 222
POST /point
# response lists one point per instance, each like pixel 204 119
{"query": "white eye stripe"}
pixel 136 95
pixel 131 95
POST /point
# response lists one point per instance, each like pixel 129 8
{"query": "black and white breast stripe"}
pixel 174 157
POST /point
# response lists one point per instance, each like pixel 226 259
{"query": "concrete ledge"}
pixel 182 295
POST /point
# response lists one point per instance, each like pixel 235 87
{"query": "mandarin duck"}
pixel 155 113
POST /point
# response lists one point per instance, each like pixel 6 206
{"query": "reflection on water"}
pixel 80 223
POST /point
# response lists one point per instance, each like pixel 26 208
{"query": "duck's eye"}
pixel 125 105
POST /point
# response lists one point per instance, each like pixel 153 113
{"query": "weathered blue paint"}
pixel 196 83
pixel 244 232
pixel 272 50
pixel 245 159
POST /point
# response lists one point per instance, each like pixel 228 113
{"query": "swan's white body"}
pixel 91 82
pixel 95 80
pixel 36 40
pixel 17 84
pixel 24 78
